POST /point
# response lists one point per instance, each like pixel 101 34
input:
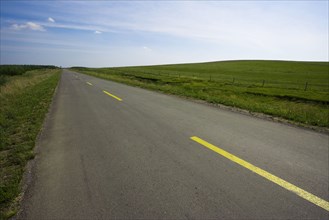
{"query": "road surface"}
pixel 109 151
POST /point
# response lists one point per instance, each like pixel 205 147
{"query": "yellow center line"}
pixel 113 96
pixel 89 83
pixel 300 192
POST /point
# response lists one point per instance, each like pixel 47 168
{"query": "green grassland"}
pixel 295 91
pixel 6 71
pixel 25 99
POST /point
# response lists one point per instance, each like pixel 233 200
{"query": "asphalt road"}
pixel 101 158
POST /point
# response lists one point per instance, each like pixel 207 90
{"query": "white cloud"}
pixel 82 27
pixel 29 26
pixel 191 30
pixel 250 26
pixel 51 20
pixel 147 48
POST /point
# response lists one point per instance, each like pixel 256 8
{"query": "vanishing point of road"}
pixel 112 151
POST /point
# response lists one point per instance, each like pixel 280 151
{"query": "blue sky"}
pixel 124 33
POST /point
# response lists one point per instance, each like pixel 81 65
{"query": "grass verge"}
pixel 280 96
pixel 25 101
pixel 6 71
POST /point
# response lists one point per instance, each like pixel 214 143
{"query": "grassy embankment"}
pixel 7 71
pixel 25 98
pixel 296 91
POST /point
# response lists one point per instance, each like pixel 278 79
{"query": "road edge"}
pixel 29 174
pixel 258 115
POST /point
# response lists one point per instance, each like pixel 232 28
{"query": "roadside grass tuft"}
pixel 24 103
pixel 295 91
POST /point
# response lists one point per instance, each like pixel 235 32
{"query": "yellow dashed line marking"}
pixel 113 96
pixel 89 83
pixel 300 192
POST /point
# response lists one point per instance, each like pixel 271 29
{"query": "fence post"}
pixel 306 84
pixel 263 83
pixel 210 77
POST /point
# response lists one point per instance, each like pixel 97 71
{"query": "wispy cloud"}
pixel 28 26
pixel 51 20
pixel 147 48
pixel 253 25
pixel 78 26
pixel 192 30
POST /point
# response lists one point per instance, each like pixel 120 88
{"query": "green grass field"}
pixel 296 91
pixel 6 71
pixel 25 99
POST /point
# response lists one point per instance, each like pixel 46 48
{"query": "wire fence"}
pixel 220 78
pixel 303 85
